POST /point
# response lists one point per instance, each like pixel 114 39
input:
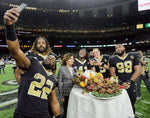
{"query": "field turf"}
pixel 8 95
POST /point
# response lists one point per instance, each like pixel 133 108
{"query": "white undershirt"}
pixel 71 70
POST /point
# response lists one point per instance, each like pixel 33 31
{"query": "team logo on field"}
pixel 10 82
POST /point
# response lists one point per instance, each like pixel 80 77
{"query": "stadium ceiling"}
pixel 67 4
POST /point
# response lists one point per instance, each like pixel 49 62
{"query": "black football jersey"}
pixel 81 66
pixel 105 72
pixel 39 56
pixel 124 66
pixel 35 87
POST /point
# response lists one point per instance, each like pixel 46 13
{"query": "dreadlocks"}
pixel 34 48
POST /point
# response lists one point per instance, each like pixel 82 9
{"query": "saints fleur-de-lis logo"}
pixel 131 57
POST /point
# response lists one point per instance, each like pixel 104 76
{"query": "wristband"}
pixel 59 116
pixel 102 64
pixel 130 81
pixel 10 33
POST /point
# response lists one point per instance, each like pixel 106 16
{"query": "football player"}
pixel 144 75
pixel 100 62
pixel 127 67
pixel 39 50
pixel 37 84
pixel 81 63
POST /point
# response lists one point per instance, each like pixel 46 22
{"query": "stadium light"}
pixel 147 25
pixel 139 26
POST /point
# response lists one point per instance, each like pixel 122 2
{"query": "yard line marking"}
pixel 138 113
pixel 8 65
pixel 145 102
pixel 143 86
pixel 9 92
pixel 3 104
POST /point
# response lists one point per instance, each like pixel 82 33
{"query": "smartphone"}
pixel 21 7
pixel 75 68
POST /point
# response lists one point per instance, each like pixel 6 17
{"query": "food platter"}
pixel 106 98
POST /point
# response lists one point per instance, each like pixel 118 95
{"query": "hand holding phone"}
pixel 21 7
pixel 11 16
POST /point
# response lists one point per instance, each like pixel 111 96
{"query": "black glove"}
pixel 129 81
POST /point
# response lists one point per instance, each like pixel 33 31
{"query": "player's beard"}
pixel 121 53
pixel 41 49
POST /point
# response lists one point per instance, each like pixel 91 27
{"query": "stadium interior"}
pixel 70 25
pixel 73 24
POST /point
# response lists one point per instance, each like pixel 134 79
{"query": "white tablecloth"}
pixel 84 106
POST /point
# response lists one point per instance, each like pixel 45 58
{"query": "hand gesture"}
pixel 98 63
pixel 91 62
pixel 11 16
pixel 126 85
